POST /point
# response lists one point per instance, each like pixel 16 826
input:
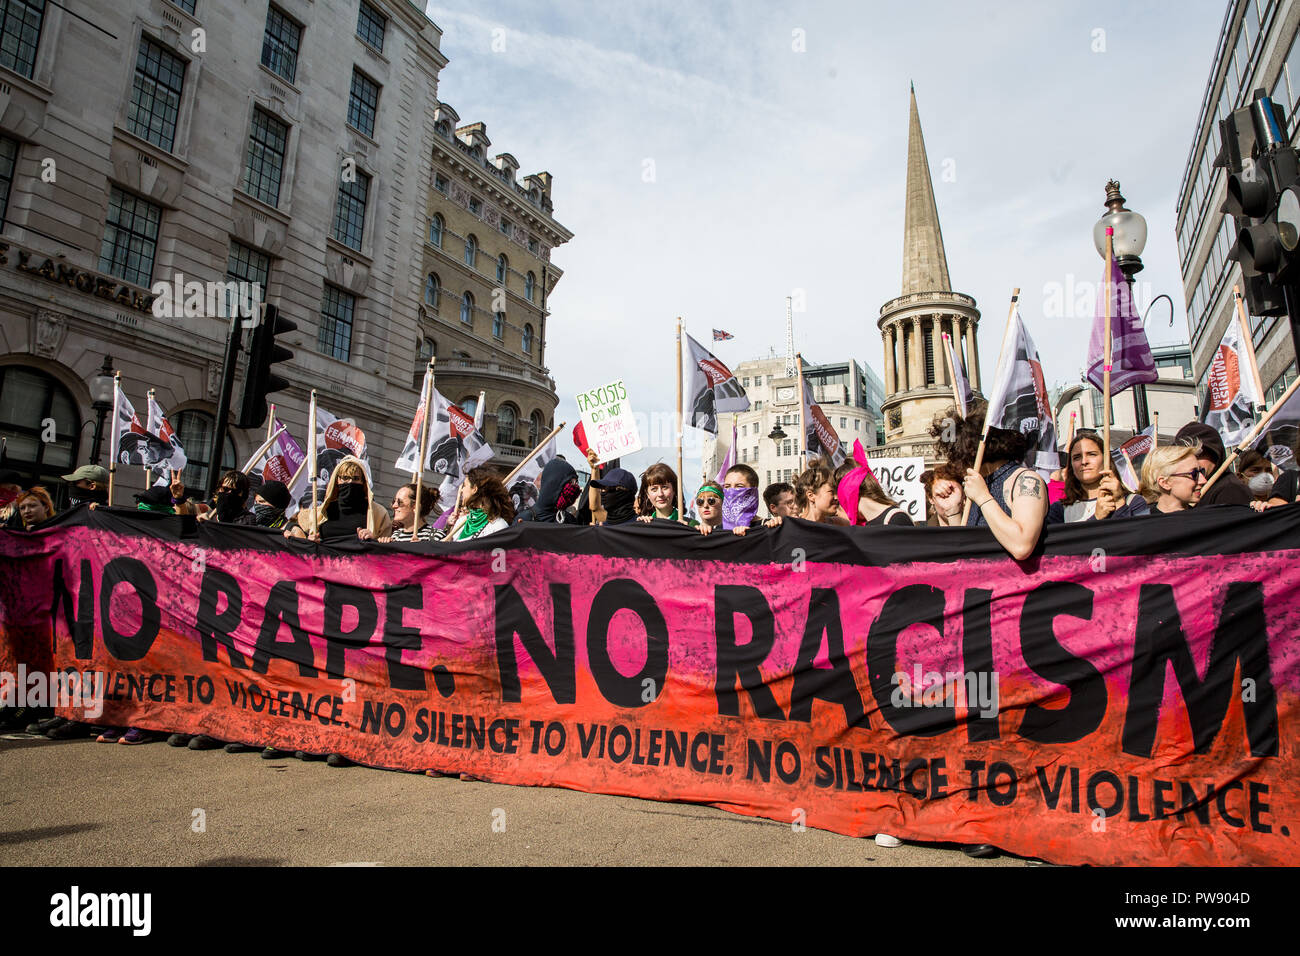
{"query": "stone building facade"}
pixel 289 143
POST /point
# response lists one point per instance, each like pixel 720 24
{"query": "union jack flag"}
pixel 721 336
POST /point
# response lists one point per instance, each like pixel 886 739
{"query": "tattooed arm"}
pixel 1019 531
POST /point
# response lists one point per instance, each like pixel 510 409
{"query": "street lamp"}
pixel 777 435
pixel 101 395
pixel 1127 243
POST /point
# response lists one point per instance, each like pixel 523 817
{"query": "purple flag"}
pixel 1130 353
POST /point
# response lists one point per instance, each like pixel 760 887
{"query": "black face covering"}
pixel 266 515
pixel 229 506
pixel 80 496
pixel 352 498
pixel 619 506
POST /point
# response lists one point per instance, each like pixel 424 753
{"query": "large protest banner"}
pixel 1121 697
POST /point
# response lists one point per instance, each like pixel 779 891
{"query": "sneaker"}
pixel 45 726
pixel 303 755
pixel 980 851
pixel 109 736
pixel 68 730
pixel 178 740
pixel 204 742
pixel 884 839
pixel 270 753
pixel 337 760
pixel 16 718
pixel 234 748
pixel 134 736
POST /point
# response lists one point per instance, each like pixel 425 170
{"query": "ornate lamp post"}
pixel 101 394
pixel 1128 241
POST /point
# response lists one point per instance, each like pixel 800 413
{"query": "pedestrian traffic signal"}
pixel 260 381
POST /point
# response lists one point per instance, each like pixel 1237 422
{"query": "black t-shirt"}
pixel 893 516
pixel 1287 486
pixel 1228 490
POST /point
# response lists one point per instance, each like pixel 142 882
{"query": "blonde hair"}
pixel 1159 464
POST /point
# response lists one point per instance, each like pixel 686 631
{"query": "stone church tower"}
pixel 917 383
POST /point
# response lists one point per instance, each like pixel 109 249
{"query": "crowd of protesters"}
pixel 1012 500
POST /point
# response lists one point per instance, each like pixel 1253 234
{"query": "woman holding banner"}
pixel 346 510
pixel 404 520
pixel 658 495
pixel 1092 492
pixel 483 507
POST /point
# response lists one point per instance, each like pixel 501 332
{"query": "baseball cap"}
pixel 94 473
pixel 617 478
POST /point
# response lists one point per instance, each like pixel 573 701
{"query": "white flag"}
pixel 160 428
pixel 1231 395
pixel 455 446
pixel 336 439
pixel 525 488
pixel 1019 401
pixel 411 450
pixel 129 440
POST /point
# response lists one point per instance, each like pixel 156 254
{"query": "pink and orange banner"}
pixel 1102 702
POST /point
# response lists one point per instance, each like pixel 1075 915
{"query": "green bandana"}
pixel 476 522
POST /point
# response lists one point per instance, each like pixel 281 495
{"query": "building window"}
pixel 156 94
pixel 503 267
pixel 758 380
pixel 1277 388
pixel 929 356
pixel 431 287
pixel 29 400
pixel 467 309
pixel 248 266
pixel 363 103
pixel 280 43
pixel 20 31
pixel 469 405
pixel 744 382
pixel 441 183
pixel 536 428
pixel 195 430
pixel 264 164
pixel 499 325
pixel 507 418
pixel 8 159
pixel 130 237
pixel 471 251
pixel 475 205
pixel 754 456
pixel 370 26
pixel 533 246
pixel 350 209
pixel 186 5
pixel 505 225
pixel 526 343
pixel 530 280
pixel 844 422
pixel 785 448
pixel 336 311
pixel 435 230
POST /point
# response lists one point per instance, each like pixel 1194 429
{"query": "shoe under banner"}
pixel 1143 709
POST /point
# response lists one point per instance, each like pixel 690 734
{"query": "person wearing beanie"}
pixel 618 489
pixel 1228 489
pixel 271 500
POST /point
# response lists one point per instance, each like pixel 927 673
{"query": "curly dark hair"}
pixel 490 494
pixel 957 438
pixel 240 482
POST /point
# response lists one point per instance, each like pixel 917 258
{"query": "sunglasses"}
pixel 707 500
pixel 1194 474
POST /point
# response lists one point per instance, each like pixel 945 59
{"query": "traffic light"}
pixel 1264 201
pixel 262 354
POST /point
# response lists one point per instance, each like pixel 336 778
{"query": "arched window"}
pixel 507 419
pixel 503 266
pixel 469 405
pixel 28 398
pixel 530 280
pixel 195 429
pixel 527 343
pixel 499 325
pixel 536 428
pixel 471 250
pixel 435 230
pixel 427 349
pixel 467 309
pixel 431 288
pixel 443 127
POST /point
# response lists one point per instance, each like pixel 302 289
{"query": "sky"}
pixel 713 157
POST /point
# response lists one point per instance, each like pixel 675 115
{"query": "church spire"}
pixel 925 268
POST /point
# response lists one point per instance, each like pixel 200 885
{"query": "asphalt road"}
pixel 79 803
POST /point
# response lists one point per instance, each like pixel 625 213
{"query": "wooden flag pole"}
pixel 311 461
pixel 270 421
pixel 1070 440
pixel 1155 430
pixel 150 402
pixel 370 504
pixel 262 450
pixel 426 398
pixel 979 452
pixel 112 452
pixel 1247 343
pixel 681 477
pixel 1254 433
pixel 451 535
pixel 952 373
pixel 1105 373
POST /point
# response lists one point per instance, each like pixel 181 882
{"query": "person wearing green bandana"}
pixel 708 505
pixel 483 507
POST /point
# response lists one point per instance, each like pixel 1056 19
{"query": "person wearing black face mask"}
pixel 87 485
pixel 229 501
pixel 344 512
pixel 269 504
